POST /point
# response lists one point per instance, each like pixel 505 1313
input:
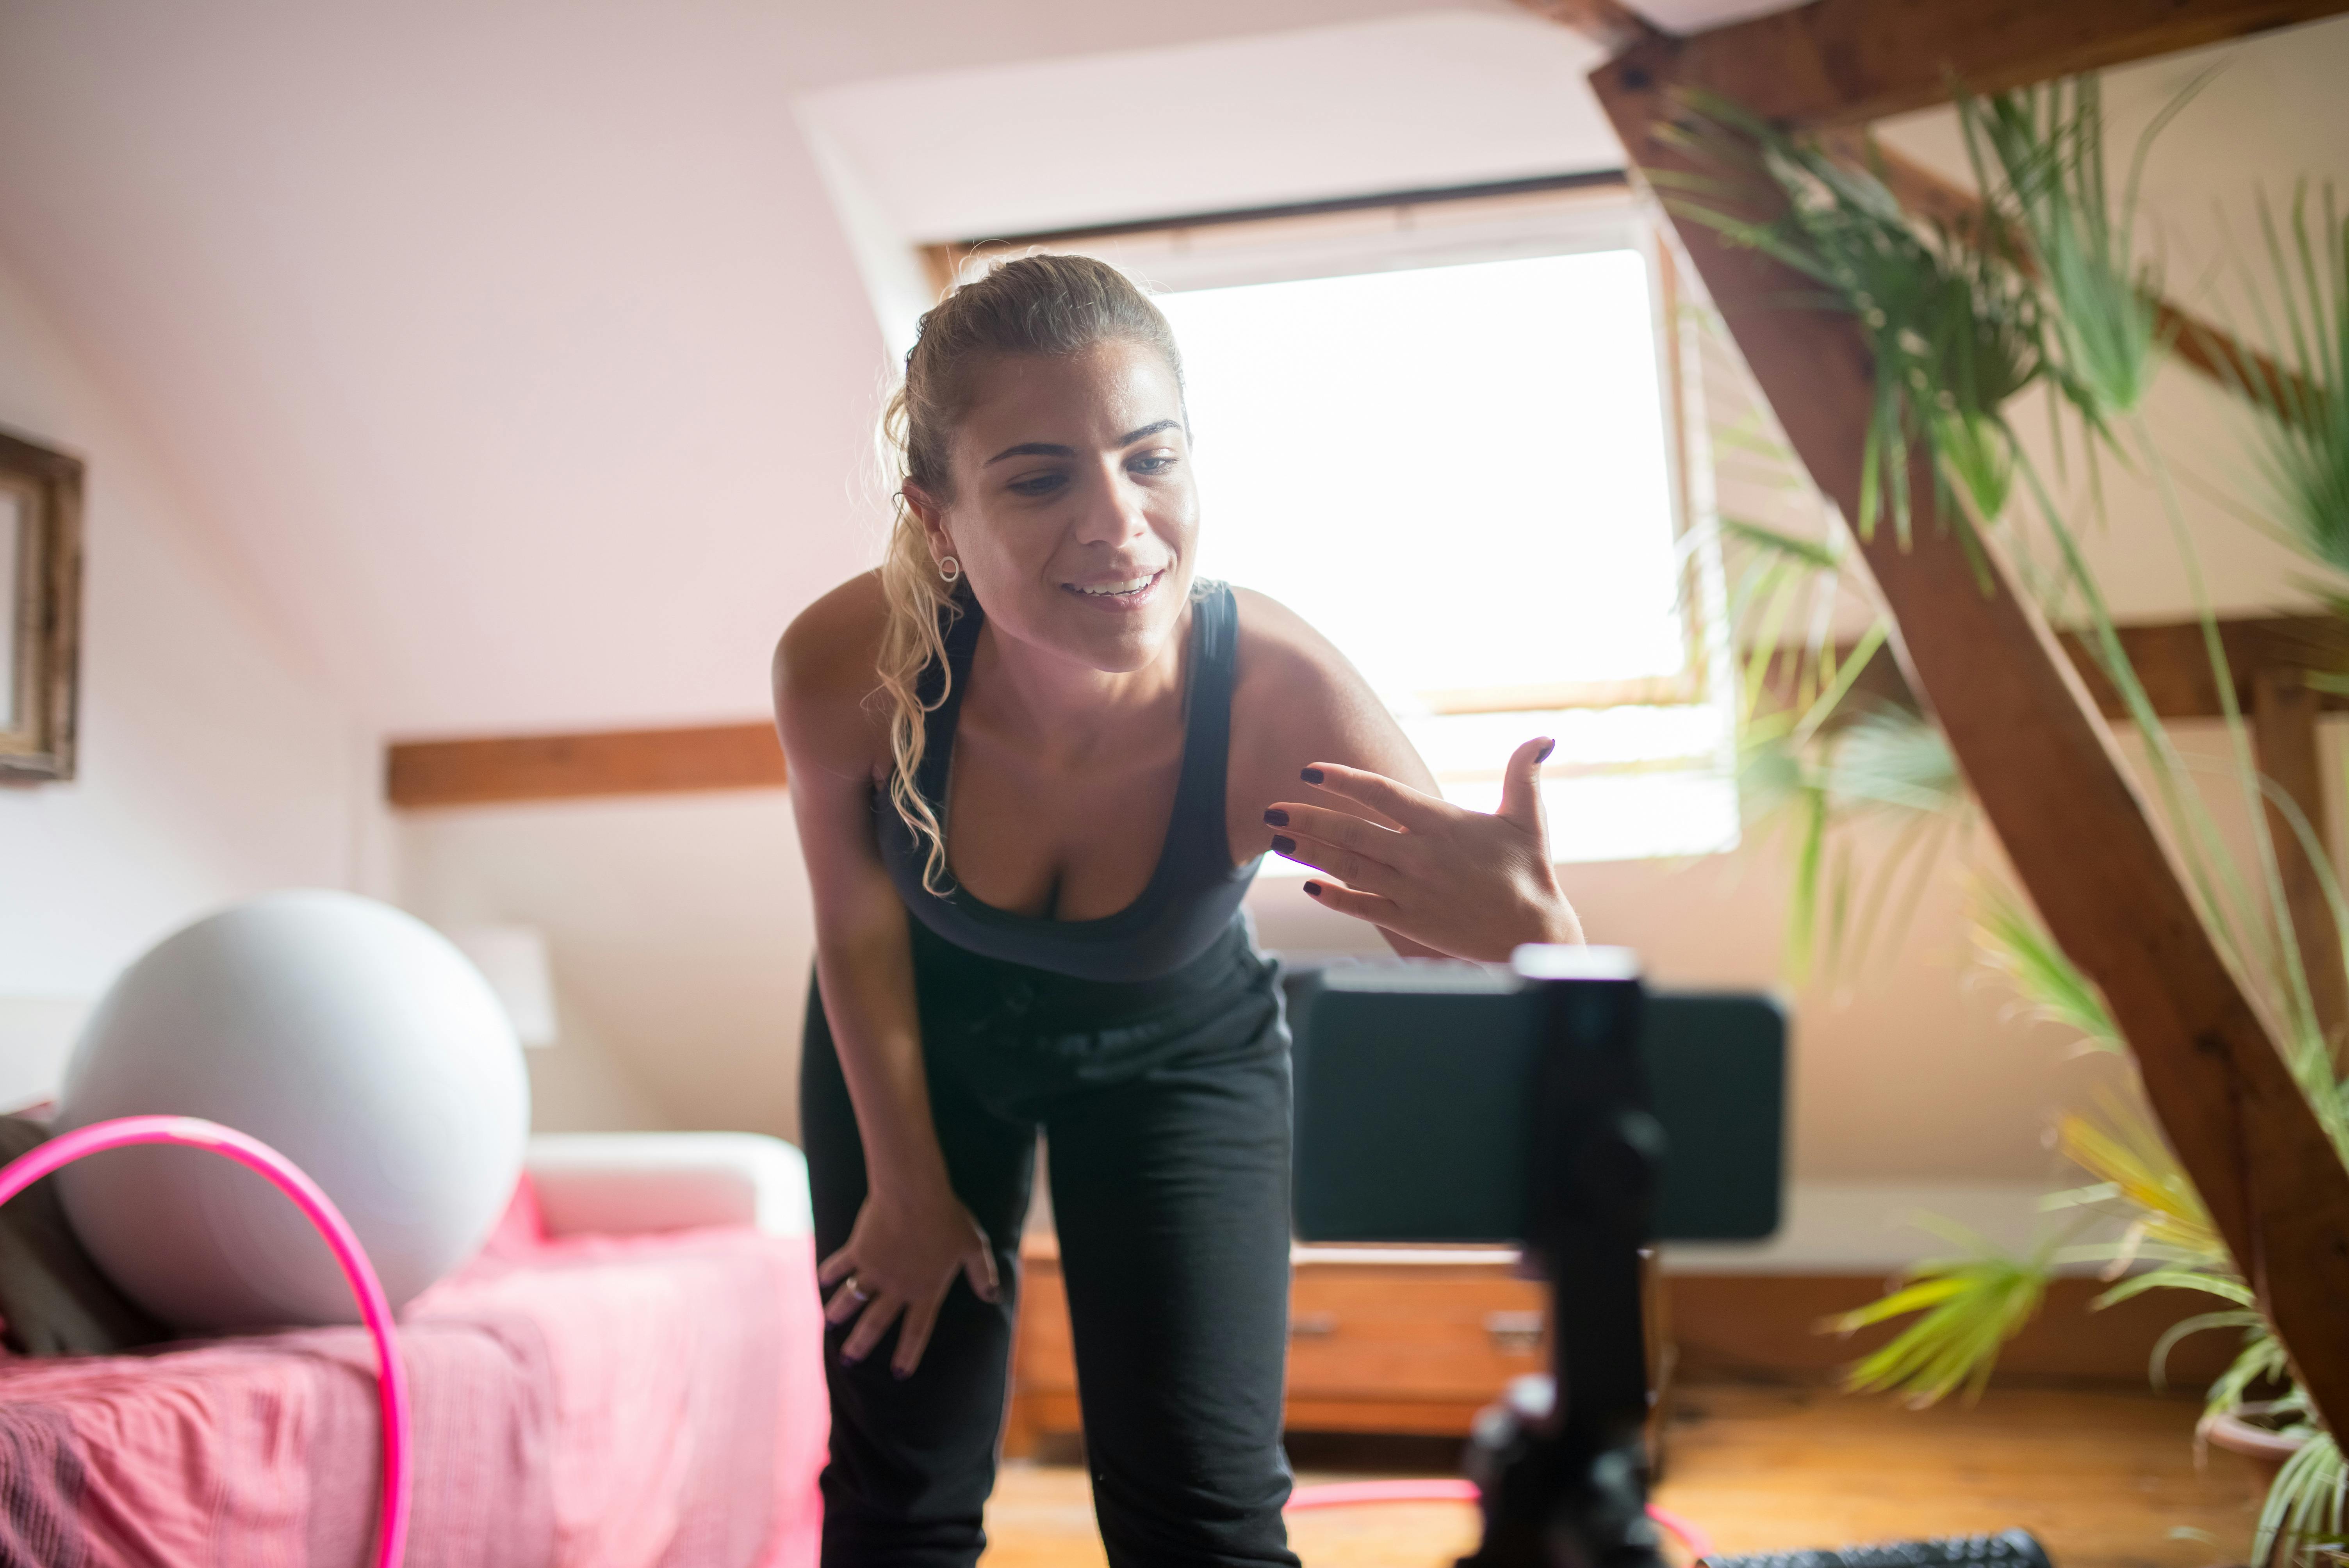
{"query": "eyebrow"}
pixel 1048 449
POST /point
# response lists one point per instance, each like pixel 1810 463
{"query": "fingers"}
pixel 978 1267
pixel 846 1302
pixel 1399 803
pixel 835 1268
pixel 883 1311
pixel 914 1338
pixel 1343 829
pixel 1521 784
pixel 1360 905
pixel 1324 845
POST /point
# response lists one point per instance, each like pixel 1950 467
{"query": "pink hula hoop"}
pixel 319 1210
pixel 1347 1493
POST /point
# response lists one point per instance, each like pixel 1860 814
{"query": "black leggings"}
pixel 1165 1104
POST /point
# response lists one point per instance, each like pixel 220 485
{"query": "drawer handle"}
pixel 1514 1333
pixel 1313 1325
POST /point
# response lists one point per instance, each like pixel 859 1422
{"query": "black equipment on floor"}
pixel 2010 1549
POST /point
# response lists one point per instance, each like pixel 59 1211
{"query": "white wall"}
pixel 212 764
pixel 680 936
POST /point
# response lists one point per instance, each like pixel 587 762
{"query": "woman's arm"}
pixel 1319 756
pixel 912 1233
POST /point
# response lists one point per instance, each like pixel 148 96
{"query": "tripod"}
pixel 1561 1462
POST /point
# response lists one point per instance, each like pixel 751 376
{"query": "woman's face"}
pixel 1074 512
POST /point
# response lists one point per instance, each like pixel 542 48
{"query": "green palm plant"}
pixel 2302 392
pixel 1886 763
pixel 2009 942
pixel 2049 287
pixel 2038 155
pixel 2305 1507
pixel 1812 760
pixel 1969 1307
pixel 2168 1240
pixel 1953 332
pixel 1959 325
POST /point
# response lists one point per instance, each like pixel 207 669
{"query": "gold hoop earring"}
pixel 949 570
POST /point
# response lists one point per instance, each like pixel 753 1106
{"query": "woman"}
pixel 1034 762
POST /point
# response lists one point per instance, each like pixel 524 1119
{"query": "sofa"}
pixel 629 1374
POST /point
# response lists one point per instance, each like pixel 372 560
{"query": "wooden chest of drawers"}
pixel 1382 1339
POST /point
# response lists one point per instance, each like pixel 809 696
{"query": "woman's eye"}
pixel 1152 465
pixel 1037 484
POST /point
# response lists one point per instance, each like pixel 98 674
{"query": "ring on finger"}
pixel 855 1291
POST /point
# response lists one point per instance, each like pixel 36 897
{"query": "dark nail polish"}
pixel 1283 845
pixel 1313 888
pixel 1276 818
pixel 1543 755
pixel 848 1360
pixel 1310 775
pixel 899 1372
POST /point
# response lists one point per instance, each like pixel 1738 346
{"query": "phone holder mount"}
pixel 1563 1469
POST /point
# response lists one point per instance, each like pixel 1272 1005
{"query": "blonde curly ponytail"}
pixel 1047 304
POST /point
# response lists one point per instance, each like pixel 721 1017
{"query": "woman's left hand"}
pixel 1461 883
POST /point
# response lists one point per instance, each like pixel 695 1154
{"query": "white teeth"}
pixel 1133 585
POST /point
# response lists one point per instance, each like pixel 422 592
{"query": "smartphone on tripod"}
pixel 1558 1104
pixel 1417 1115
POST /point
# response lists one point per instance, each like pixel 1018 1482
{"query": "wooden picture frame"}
pixel 40 610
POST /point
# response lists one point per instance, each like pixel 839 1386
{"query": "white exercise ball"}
pixel 352 1039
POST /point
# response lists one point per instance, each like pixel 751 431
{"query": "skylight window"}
pixel 1458 473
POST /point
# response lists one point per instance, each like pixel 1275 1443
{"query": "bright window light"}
pixel 1458 474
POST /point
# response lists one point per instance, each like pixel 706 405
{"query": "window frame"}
pixel 1544 216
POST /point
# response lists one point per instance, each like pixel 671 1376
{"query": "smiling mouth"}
pixel 1131 588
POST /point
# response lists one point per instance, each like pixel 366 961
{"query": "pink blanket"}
pixel 609 1402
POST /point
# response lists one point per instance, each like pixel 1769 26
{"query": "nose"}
pixel 1114 513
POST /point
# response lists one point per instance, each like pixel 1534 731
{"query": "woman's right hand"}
pixel 900 1261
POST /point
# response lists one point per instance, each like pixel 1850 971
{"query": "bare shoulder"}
pixel 1297 700
pixel 1278 647
pixel 825 675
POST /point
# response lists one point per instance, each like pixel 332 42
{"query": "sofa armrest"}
pixel 620 1183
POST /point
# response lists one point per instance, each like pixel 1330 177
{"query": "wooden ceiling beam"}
pixel 2025 730
pixel 2172 663
pixel 427 773
pixel 1846 62
pixel 424 775
pixel 1608 23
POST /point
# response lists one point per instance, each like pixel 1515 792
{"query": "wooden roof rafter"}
pixel 1846 62
pixel 2022 724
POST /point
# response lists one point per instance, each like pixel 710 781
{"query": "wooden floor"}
pixel 2106 1480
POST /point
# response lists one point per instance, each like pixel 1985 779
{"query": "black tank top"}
pixel 1194 892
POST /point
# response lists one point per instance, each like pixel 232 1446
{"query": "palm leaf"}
pixel 1954 332
pixel 2014 945
pixel 2302 442
pixel 1966 1310
pixel 2307 1505
pixel 2225 1286
pixel 1820 554
pixel 2038 153
pixel 2261 1362
pixel 2126 1152
pixel 2187 1327
pixel 1892 757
